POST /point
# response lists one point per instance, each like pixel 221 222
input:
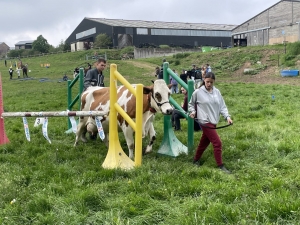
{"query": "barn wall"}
pixel 160 52
pixel 277 24
pixel 124 36
pixel 86 25
pixel 181 40
pixel 3 48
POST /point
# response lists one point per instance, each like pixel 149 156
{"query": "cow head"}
pixel 160 94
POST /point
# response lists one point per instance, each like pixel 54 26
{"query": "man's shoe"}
pixel 223 168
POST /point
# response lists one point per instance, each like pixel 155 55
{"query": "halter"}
pixel 157 103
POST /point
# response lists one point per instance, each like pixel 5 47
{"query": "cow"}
pixel 155 99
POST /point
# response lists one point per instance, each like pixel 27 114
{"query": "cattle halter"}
pixel 157 103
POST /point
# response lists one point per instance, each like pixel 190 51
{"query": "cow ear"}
pixel 170 85
pixel 147 90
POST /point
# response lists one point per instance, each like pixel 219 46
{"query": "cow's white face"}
pixel 160 97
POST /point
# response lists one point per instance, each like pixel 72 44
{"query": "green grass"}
pixel 59 184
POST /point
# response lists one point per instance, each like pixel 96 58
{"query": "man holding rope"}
pixel 210 104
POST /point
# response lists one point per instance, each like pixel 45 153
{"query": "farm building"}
pixel 144 33
pixel 3 48
pixel 279 23
pixel 24 45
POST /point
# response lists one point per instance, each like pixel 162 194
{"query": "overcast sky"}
pixel 23 20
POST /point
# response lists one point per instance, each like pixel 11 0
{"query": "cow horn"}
pixel 152 81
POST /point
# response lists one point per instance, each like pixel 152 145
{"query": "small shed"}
pixel 24 45
pixel 4 48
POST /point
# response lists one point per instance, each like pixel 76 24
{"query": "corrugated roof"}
pixel 162 25
pixel 24 42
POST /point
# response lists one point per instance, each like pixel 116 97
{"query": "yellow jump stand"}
pixel 116 158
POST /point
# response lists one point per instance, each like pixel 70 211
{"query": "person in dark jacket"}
pixel 10 71
pixel 177 115
pixel 95 77
pixel 184 76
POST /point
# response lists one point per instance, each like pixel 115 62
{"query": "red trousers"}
pixel 210 136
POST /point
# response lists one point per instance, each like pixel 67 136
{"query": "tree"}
pixel 67 47
pixel 41 44
pixel 63 46
pixel 102 40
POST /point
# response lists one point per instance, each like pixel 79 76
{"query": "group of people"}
pixel 197 74
pixel 205 107
pixel 20 67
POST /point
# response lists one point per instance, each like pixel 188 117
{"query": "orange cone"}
pixel 3 137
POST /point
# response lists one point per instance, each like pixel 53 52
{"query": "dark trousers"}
pixel 209 136
pixel 176 116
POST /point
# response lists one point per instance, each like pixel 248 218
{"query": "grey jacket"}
pixel 93 78
pixel 209 105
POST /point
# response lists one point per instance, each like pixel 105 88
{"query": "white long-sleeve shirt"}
pixel 209 105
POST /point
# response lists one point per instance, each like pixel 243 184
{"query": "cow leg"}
pixel 81 131
pixel 152 138
pixel 128 133
pixel 106 140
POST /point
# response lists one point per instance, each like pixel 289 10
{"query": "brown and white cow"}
pixel 156 99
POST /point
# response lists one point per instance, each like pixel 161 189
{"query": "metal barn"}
pixel 279 23
pixel 144 33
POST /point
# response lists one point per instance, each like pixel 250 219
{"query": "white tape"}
pixel 38 121
pixel 26 128
pixel 73 123
pixel 99 127
pixel 45 132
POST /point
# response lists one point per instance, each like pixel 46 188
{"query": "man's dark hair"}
pixel 101 60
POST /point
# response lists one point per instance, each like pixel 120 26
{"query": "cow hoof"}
pixel 148 150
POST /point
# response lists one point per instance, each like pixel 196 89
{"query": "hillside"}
pixel 228 65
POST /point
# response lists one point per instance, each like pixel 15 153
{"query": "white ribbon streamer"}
pixel 26 128
pixel 99 127
pixel 73 123
pixel 45 132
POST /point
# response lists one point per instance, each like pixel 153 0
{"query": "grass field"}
pixel 59 184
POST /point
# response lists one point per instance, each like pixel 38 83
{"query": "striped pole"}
pixel 3 137
pixel 54 114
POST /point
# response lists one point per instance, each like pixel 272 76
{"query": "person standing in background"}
pixel 95 77
pixel 183 76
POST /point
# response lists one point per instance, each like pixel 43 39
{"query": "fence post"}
pixel 3 137
pixel 171 145
pixel 71 102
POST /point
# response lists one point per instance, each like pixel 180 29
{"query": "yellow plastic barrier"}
pixel 116 158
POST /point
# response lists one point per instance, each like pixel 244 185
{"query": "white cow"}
pixel 155 99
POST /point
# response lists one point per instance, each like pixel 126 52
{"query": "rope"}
pixel 215 128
